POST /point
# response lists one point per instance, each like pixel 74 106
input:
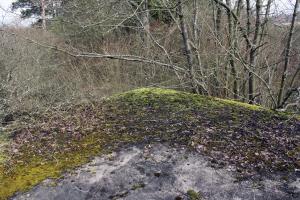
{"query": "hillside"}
pixel 254 141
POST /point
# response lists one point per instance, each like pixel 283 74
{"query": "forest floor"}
pixel 239 144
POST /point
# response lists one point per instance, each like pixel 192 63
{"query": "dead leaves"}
pixel 248 141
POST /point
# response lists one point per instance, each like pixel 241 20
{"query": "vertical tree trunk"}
pixel 253 52
pixel 197 42
pixel 231 43
pixel 225 71
pixel 248 7
pixel 287 53
pixel 248 28
pixel 195 20
pixel 237 84
pixel 43 14
pixel 146 24
pixel 218 20
pixel 217 30
pixel 187 49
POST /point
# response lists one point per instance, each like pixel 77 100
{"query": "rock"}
pixel 7 119
pixel 157 174
pixel 177 180
pixel 178 198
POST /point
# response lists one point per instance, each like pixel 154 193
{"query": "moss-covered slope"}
pixel 252 139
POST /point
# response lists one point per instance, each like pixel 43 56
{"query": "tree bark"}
pixel 187 49
pixel 43 14
pixel 253 51
pixel 195 20
pixel 231 43
pixel 217 32
pixel 146 24
pixel 197 43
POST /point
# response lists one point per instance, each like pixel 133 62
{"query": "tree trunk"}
pixel 196 31
pixel 253 51
pixel 248 28
pixel 287 55
pixel 146 24
pixel 195 21
pixel 43 14
pixel 231 44
pixel 187 49
pixel 217 30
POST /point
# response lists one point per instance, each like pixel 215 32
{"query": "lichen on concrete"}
pixel 130 174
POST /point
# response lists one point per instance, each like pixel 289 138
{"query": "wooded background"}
pixel 84 50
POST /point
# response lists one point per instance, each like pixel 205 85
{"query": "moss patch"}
pixel 249 137
pixel 138 186
pixel 53 143
pixel 158 98
pixel 3 145
pixel 193 195
pixel 240 104
pixel 32 170
pixel 177 99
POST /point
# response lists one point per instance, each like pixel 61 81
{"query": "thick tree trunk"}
pixel 187 49
pixel 287 55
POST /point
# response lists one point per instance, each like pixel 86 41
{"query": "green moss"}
pixel 158 98
pixel 177 99
pixel 138 186
pixel 36 169
pixel 3 143
pixel 3 157
pixel 240 104
pixel 193 195
pixel 26 176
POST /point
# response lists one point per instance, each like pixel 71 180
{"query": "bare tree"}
pixel 253 51
pixel 181 44
pixel 217 16
pixel 187 49
pixel 231 43
pixel 146 23
pixel 287 54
